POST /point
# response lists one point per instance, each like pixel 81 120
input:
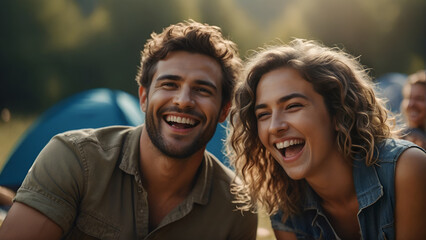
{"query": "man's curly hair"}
pixel 192 37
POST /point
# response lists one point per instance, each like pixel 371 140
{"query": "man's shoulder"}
pixel 220 171
pixel 105 136
pixel 221 196
pixel 223 178
pixel 99 146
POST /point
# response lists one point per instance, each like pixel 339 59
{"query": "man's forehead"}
pixel 189 65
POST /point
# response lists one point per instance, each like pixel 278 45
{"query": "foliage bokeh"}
pixel 50 50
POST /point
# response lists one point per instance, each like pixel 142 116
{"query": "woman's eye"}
pixel 261 115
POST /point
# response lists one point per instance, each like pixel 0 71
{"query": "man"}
pixel 413 108
pixel 155 181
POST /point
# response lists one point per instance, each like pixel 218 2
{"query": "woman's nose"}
pixel 278 124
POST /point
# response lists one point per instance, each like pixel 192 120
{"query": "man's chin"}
pixel 180 153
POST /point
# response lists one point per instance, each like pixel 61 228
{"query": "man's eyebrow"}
pixel 207 83
pixel 178 78
pixel 283 99
pixel 168 77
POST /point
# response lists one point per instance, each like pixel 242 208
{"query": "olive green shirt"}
pixel 89 183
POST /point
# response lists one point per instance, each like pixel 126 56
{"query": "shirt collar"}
pixel 367 186
pixel 130 152
pixel 312 200
pixel 201 191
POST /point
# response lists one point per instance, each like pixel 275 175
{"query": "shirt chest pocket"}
pixel 90 227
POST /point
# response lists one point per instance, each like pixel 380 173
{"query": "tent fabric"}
pixel 89 109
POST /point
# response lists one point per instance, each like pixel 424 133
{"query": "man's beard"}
pixel 179 152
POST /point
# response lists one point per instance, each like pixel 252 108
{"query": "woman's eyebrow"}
pixel 290 96
pixel 283 99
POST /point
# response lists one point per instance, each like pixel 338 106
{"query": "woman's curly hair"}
pixel 361 120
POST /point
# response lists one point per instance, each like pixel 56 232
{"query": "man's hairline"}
pixel 222 72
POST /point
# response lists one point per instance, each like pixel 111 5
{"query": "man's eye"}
pixel 294 105
pixel 203 90
pixel 169 85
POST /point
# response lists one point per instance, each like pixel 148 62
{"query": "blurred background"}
pixel 52 49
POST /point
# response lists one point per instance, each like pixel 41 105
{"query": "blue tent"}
pixel 89 109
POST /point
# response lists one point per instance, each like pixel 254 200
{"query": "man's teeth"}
pixel 288 143
pixel 182 120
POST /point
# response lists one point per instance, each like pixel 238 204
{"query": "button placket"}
pixel 141 201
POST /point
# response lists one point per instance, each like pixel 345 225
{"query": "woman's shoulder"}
pixel 410 189
pixel 412 163
pixel 390 150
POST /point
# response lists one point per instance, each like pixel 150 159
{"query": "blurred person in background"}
pixel 313 144
pixel 416 136
pixel 154 181
pixel 413 108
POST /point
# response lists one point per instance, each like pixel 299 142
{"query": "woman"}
pixel 313 146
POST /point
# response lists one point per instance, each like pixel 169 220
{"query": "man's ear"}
pixel 334 122
pixel 142 98
pixel 224 112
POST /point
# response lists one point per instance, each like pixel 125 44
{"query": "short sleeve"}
pixel 55 182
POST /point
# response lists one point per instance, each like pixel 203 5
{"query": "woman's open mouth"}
pixel 290 148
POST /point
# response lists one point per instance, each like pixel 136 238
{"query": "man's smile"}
pixel 181 122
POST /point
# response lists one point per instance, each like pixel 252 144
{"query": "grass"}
pixel 12 130
pixel 264 229
pixel 10 133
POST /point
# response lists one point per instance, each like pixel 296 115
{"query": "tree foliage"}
pixel 52 49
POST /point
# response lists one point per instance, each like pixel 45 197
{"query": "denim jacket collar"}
pixel 367 186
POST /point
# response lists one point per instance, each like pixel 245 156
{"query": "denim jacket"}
pixel 376 199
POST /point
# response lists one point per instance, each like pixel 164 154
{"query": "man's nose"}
pixel 411 102
pixel 183 98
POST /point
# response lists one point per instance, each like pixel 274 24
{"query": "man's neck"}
pixel 168 176
pixel 168 181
